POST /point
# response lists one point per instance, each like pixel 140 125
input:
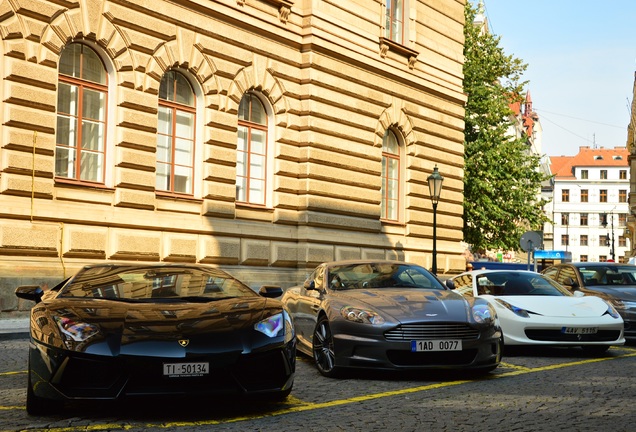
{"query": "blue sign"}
pixel 553 254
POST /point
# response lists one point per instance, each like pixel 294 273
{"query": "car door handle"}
pixel 315 308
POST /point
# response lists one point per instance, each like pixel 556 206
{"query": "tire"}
pixel 323 349
pixel 595 350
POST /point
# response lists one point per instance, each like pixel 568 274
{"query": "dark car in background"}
pixel 390 315
pixel 115 331
pixel 614 282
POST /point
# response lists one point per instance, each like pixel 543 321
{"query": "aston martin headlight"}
pixel 359 315
pixel 75 331
pixel 629 305
pixel 617 303
pixel 483 313
pixel 516 310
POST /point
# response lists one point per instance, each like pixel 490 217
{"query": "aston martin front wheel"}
pixel 324 353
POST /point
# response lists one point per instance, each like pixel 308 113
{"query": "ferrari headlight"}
pixel 516 310
pixel 611 311
pixel 76 331
pixel 359 315
pixel 483 313
pixel 272 325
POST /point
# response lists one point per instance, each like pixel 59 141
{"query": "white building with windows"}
pixel 590 204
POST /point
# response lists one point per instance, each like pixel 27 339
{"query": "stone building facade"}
pixel 262 136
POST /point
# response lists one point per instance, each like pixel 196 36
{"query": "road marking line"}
pixel 13 373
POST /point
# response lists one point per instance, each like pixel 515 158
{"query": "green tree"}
pixel 502 180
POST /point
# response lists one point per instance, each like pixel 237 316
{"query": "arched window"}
pixel 390 177
pixel 395 21
pixel 251 158
pixel 175 134
pixel 81 115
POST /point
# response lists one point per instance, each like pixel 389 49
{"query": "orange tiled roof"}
pixel 589 157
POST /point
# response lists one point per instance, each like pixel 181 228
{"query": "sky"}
pixel 581 57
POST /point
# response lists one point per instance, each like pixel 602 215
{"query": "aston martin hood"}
pixel 411 304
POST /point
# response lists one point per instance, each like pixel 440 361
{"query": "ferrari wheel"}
pixel 324 354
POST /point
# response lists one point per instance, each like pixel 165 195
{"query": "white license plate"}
pixel 436 345
pixel 579 330
pixel 186 369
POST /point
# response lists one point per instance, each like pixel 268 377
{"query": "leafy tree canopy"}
pixel 502 179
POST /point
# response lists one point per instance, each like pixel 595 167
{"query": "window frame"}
pixel 385 187
pixel 82 84
pixel 389 14
pixel 176 107
pixel 267 177
pixel 565 195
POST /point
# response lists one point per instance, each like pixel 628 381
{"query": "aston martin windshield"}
pixel 616 276
pixel 380 275
pixel 146 282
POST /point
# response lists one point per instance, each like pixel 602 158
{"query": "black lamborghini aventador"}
pixel 114 331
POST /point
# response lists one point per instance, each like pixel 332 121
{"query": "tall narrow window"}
pixel 390 177
pixel 251 155
pixel 175 134
pixel 584 195
pixel 81 115
pixel 394 26
pixel 602 195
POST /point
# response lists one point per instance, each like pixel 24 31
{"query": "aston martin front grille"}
pixel 424 331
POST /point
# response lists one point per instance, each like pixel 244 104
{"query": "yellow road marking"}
pixel 511 366
pixel 12 373
pixel 309 406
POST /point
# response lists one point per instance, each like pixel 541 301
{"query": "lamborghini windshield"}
pixel 149 282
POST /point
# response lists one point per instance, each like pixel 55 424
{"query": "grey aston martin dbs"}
pixel 390 315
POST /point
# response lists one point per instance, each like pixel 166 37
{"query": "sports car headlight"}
pixel 273 325
pixel 483 313
pixel 359 315
pixel 611 311
pixel 516 310
pixel 76 331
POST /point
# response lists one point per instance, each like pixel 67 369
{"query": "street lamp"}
pixel 435 181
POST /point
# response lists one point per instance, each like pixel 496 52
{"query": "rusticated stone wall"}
pixel 333 86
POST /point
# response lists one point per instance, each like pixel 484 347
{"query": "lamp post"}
pixel 435 181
